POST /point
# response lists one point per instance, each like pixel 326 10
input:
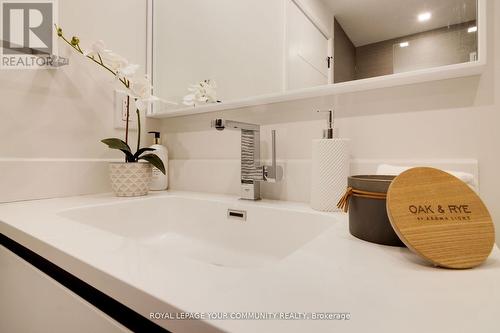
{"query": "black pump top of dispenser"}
pixel 157 136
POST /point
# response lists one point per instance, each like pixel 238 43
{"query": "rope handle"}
pixel 343 204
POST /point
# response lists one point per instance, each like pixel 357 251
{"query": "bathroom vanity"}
pixel 407 80
pixel 201 253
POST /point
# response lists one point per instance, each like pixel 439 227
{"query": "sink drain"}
pixel 239 215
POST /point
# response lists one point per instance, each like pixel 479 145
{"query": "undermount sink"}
pixel 202 229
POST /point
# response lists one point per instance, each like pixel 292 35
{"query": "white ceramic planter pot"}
pixel 130 179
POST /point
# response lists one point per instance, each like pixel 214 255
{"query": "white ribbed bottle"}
pixel 330 169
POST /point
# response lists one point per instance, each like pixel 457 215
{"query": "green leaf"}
pixel 155 161
pixel 114 143
pixel 118 144
pixel 142 151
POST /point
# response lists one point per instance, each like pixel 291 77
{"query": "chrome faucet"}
pixel 252 173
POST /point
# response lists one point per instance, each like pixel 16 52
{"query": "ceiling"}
pixel 370 21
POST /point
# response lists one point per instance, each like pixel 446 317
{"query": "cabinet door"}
pixel 32 302
pixel 307 51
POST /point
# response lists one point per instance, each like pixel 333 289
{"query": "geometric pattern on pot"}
pixel 130 179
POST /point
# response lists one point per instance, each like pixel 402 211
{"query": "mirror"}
pixel 207 52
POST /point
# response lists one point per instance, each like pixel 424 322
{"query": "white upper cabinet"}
pixel 225 54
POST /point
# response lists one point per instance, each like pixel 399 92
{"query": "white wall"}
pixel 52 121
pixel 452 119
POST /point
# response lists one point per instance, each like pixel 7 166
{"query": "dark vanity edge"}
pixel 116 310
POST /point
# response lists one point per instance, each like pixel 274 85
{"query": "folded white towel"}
pixel 394 170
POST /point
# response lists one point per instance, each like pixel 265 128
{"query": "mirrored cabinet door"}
pixel 210 52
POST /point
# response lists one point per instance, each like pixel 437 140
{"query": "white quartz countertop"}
pixel 384 289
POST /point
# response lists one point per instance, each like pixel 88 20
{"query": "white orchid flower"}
pixel 113 60
pixel 96 48
pixel 140 88
pixel 128 70
pixel 202 93
pixel 210 91
pixel 142 104
pixel 189 100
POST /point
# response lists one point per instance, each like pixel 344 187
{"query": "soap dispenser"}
pixel 330 168
pixel 159 182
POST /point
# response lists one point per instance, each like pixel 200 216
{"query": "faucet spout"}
pixel 252 172
pixel 221 124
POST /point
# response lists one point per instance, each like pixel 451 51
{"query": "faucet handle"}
pixel 273 173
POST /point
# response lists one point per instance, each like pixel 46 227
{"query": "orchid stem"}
pixel 138 129
pixel 127 119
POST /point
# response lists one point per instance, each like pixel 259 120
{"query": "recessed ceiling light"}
pixel 424 17
pixel 472 29
pixel 404 44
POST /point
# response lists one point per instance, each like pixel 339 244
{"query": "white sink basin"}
pixel 201 230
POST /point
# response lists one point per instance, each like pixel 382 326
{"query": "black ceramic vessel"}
pixel 368 218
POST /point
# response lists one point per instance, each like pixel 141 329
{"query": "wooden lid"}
pixel 440 218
